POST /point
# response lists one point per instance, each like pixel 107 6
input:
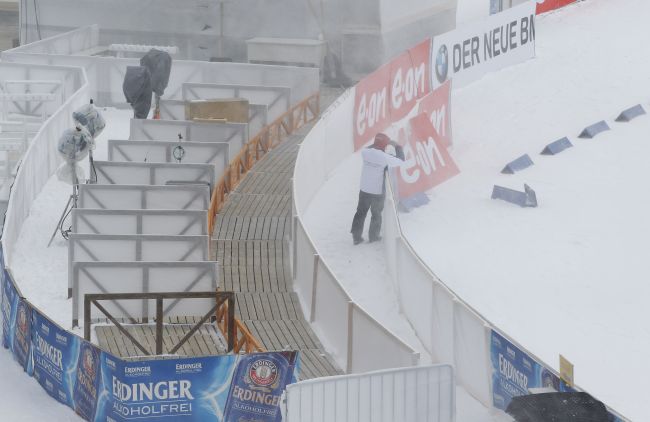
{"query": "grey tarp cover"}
pixel 159 64
pixel 137 90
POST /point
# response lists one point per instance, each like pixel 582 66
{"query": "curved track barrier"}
pixel 422 394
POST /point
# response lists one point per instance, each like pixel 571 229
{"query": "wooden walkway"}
pixel 251 242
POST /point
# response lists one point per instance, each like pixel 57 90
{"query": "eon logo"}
pixel 407 86
pixel 369 112
pixel 426 158
pixel 438 120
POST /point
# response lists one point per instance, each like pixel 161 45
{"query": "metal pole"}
pixel 231 322
pixel 159 325
pixel 87 305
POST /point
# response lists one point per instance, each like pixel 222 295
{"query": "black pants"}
pixel 374 202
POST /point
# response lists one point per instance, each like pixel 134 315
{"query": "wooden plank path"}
pixel 251 243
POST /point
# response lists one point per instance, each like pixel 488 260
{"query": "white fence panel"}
pixel 104 248
pixel 415 291
pixel 373 347
pixel 442 325
pixel 309 171
pixel 420 394
pixel 472 350
pixel 135 197
pixel 215 153
pixel 78 41
pixel 276 98
pixel 303 274
pixel 127 173
pixel 143 277
pixel 162 222
pixel 332 313
pixel 235 134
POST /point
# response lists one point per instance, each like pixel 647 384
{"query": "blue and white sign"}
pixel 22 338
pixel 87 381
pixel 257 387
pixel 9 305
pixel 55 353
pixel 514 373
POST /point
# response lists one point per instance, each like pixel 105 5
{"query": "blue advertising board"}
pixel 196 389
pixel 10 300
pixel 514 373
pixel 87 381
pixel 22 337
pixel 55 352
pixel 257 387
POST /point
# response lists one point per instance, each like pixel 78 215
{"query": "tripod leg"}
pixel 58 225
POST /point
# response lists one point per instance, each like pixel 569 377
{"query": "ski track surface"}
pixel 569 276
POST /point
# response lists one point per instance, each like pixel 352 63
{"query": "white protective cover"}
pixel 141 197
pixel 130 173
pixel 161 222
pixel 420 394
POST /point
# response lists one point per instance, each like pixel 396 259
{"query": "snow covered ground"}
pixel 569 276
pixel 42 271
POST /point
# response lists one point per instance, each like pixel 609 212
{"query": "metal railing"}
pixel 270 137
pixel 221 298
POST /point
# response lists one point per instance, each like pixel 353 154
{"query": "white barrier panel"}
pixel 303 267
pixel 162 222
pixel 257 114
pixel 309 165
pixel 472 353
pixel 141 197
pixel 214 153
pixel 125 173
pixel 143 277
pixel 79 41
pixel 421 394
pixel 235 134
pixel 125 248
pixel 42 158
pixel 373 347
pixel 276 98
pixel 28 80
pixel 105 247
pixel 332 311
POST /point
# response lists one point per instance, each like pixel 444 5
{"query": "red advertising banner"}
pixel 428 162
pixel 390 93
pixel 548 5
pixel 436 105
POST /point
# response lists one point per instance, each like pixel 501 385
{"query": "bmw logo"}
pixel 442 64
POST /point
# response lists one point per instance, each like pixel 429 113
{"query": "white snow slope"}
pixel 566 277
pixel 570 276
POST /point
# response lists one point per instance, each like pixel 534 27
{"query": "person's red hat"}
pixel 381 141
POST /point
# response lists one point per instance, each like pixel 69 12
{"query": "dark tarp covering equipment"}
pixel 159 64
pixel 137 90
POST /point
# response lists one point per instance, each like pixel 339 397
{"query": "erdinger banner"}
pixel 500 40
pixel 390 93
pixel 436 105
pixel 427 161
pixel 514 373
pixel 257 386
pixel 229 388
pixel 22 338
pixel 548 5
pixel 10 300
pixel 55 353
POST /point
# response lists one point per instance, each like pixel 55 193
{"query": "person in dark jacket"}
pixel 373 189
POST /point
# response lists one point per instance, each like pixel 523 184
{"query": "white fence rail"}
pixel 144 197
pixel 420 394
pixel 163 222
pixel 41 158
